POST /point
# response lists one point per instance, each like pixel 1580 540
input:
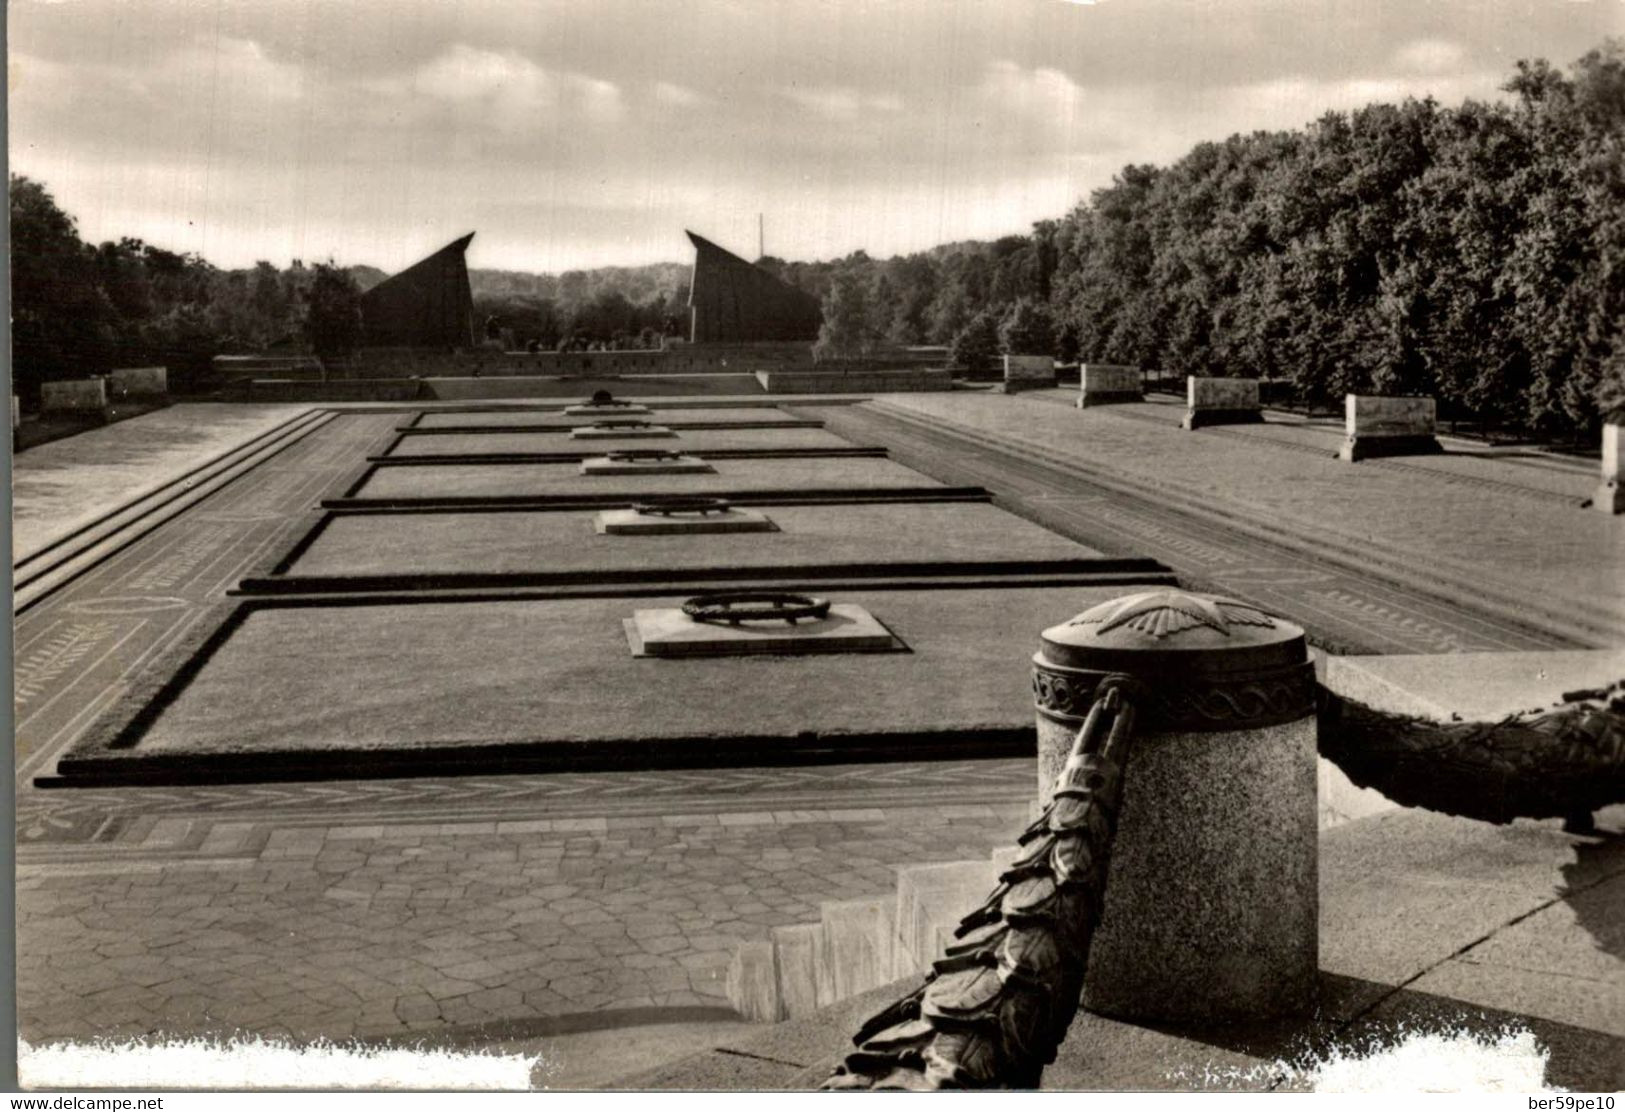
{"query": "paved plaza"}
pixel 470 907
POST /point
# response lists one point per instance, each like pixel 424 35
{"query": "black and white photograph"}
pixel 731 546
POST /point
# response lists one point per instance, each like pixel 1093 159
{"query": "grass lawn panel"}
pixel 516 542
pixel 554 415
pixel 685 440
pixel 418 677
pixel 473 480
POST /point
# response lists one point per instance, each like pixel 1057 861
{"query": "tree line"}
pixel 1473 253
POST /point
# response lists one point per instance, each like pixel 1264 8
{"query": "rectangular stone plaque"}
pixel 1378 426
pixel 74 396
pixel 610 411
pixel 682 465
pixel 670 632
pixel 736 519
pixel 1109 383
pixel 641 432
pixel 1220 401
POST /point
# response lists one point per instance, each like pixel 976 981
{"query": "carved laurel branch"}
pixel 1565 763
pixel 993 1010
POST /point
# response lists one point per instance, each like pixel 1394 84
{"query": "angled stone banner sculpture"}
pixel 429 304
pixel 733 301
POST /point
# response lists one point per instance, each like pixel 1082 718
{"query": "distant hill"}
pixel 638 284
pixel 366 276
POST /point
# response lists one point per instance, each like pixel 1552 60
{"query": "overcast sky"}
pixel 593 132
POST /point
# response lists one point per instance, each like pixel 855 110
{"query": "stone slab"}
pixel 136 382
pixel 1109 383
pixel 1565 963
pixel 670 632
pixel 1220 401
pixel 1579 1059
pixel 1476 686
pixel 735 519
pixel 796 948
pixel 588 410
pixel 931 899
pixel 519 541
pixel 1404 891
pixel 642 432
pixel 88 395
pixel 682 465
pixel 545 479
pixel 856 941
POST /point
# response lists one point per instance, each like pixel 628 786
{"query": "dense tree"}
pixel 332 312
pixel 1027 329
pixel 977 343
pixel 847 331
pixel 64 325
pixel 1475 253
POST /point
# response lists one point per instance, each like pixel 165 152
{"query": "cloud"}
pixel 503 90
pixel 843 102
pixel 267 127
pixel 677 96
pixel 1040 93
pixel 1430 56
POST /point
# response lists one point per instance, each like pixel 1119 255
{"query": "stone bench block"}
pixel 1610 496
pixel 1028 372
pixel 1109 384
pixel 1377 426
pixel 140 382
pixel 1220 401
pixel 85 396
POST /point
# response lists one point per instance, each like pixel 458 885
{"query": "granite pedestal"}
pixel 1211 899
